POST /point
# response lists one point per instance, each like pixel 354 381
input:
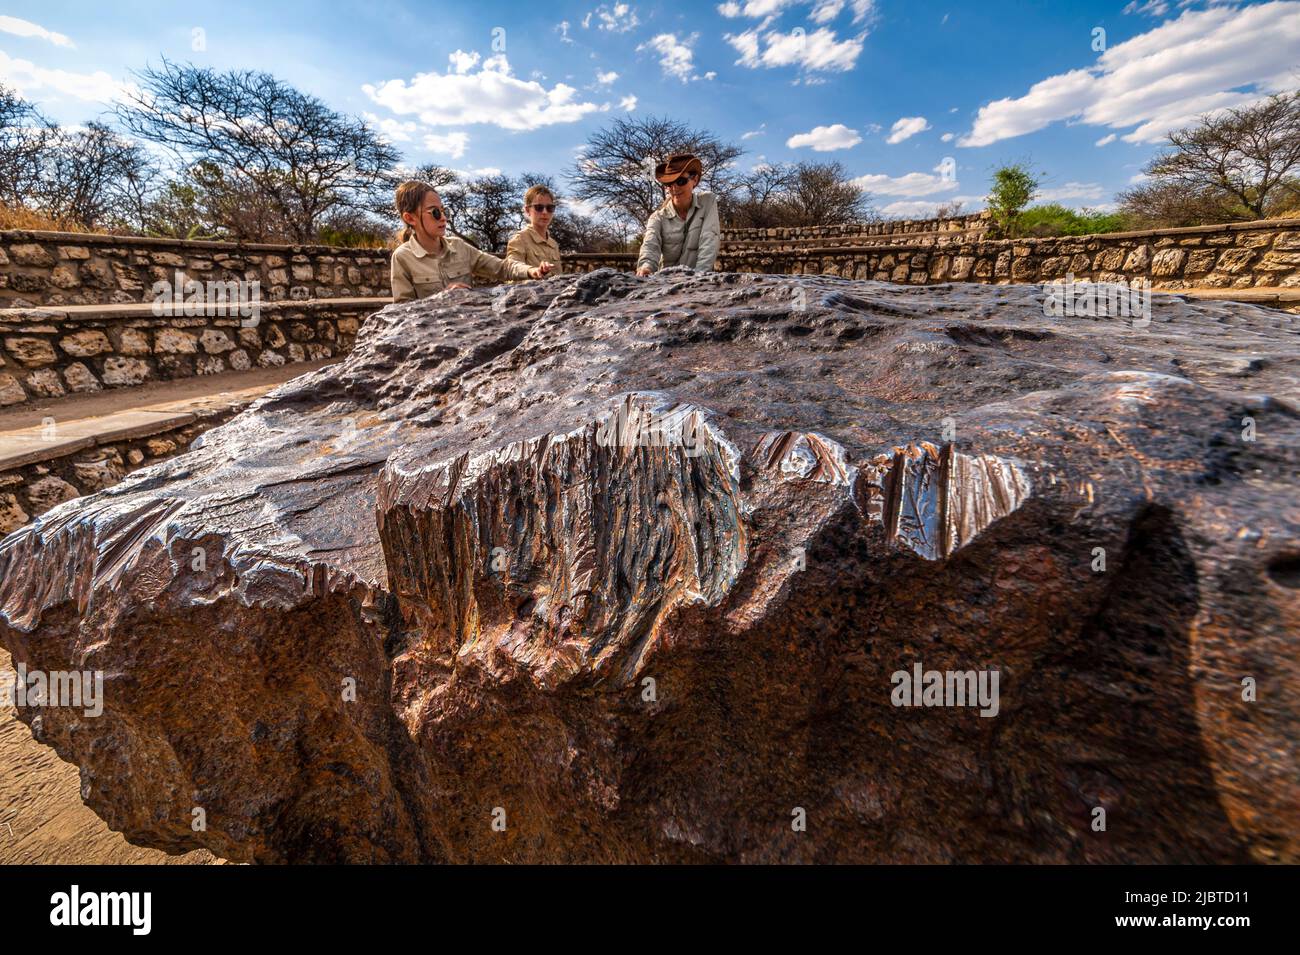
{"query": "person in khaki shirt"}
pixel 685 229
pixel 429 261
pixel 534 245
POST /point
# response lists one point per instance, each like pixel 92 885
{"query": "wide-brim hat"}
pixel 677 165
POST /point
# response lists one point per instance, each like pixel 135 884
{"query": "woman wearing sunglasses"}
pixel 429 261
pixel 533 246
pixel 685 229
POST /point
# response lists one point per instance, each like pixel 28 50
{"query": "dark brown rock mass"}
pixel 619 569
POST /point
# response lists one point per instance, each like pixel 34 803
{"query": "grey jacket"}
pixel 666 242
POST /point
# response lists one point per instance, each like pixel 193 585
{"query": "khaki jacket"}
pixel 525 247
pixel 418 274
pixel 667 243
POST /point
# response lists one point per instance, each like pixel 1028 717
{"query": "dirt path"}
pixel 42 818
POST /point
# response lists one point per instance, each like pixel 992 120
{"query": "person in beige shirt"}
pixel 685 229
pixel 533 245
pixel 429 261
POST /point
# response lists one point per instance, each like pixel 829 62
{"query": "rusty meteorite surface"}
pixel 508 508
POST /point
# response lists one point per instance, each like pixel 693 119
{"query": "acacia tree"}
pixel 615 172
pixel 270 141
pixel 24 137
pixel 90 177
pixel 823 194
pixel 483 211
pixel 96 177
pixel 1013 188
pixel 798 194
pixel 1240 163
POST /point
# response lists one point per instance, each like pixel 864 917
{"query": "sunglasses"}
pixel 679 181
pixel 435 212
pixel 544 207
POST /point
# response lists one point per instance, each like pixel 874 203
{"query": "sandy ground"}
pixel 42 818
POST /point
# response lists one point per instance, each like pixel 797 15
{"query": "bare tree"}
pixel 823 194
pixel 803 194
pixel 24 137
pixel 615 172
pixel 484 211
pixel 89 177
pixel 1237 164
pixel 286 148
pixel 757 203
pixel 95 177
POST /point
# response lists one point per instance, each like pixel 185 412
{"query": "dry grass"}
pixel 22 218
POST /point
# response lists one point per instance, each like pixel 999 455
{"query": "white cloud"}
pixel 562 28
pixel 911 184
pixel 823 11
pixel 490 95
pixel 754 8
pixel 462 62
pixel 1152 8
pixel 393 130
pixel 628 102
pixel 1163 79
pixel 675 54
pixel 922 209
pixel 948 137
pixel 28 29
pixel 451 144
pixel 618 18
pixel 818 50
pixel 905 128
pixel 605 79
pixel 1071 190
pixel 27 78
pixel 911 209
pixel 824 139
pixel 477 172
pixel 761 131
pixel 1106 140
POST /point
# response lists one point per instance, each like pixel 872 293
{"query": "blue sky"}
pixel 920 100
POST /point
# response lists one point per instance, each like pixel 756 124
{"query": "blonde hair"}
pixel 409 197
pixel 535 191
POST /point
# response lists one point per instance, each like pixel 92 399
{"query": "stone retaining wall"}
pixel 48 353
pixel 1239 255
pixel 67 268
pixel 958 229
pixel 33 489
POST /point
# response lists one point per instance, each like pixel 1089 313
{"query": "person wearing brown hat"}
pixel 685 229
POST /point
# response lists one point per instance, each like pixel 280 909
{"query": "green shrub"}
pixel 1055 219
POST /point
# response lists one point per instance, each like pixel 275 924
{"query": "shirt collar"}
pixel 421 252
pixel 695 202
